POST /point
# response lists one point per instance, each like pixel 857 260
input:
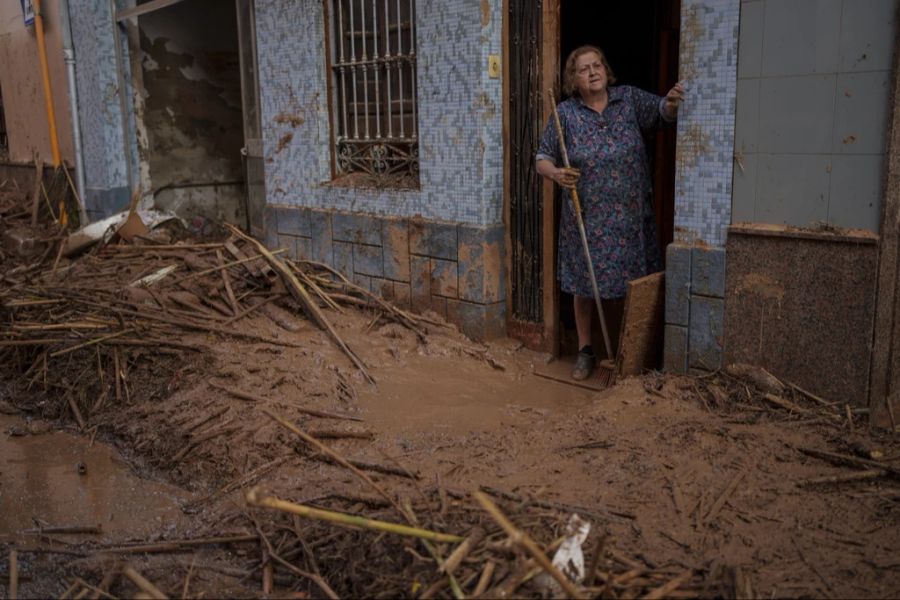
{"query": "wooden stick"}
pixel 71 326
pixel 720 502
pixel 108 578
pixel 176 545
pixel 68 529
pixel 75 412
pixel 91 588
pixel 369 466
pixel 664 590
pixel 302 296
pixel 523 539
pixel 353 521
pixel 334 455
pixel 243 481
pixel 336 434
pixel 225 266
pixel 189 324
pixel 143 584
pixel 314 577
pixel 309 411
pixel 253 269
pixel 599 551
pixel 232 301
pixel 98 340
pixel 485 580
pixel 851 460
pixel 810 395
pixel 785 404
pixel 251 309
pixel 462 551
pixel 133 248
pixel 187 579
pixel 555 505
pixel 858 476
pixel 13 575
pixel 36 191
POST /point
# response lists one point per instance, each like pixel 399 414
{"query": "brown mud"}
pixel 694 475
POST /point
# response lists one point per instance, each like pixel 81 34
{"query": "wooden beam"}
pixel 550 80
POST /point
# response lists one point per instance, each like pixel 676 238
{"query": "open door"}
pixel 254 167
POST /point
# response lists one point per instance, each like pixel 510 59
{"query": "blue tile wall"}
pixel 460 113
pixel 708 67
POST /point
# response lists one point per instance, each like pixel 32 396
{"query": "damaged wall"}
pixel 809 326
pixel 192 109
pixel 23 90
pixel 812 108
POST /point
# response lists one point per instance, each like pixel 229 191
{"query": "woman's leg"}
pixel 584 311
pixel 585 361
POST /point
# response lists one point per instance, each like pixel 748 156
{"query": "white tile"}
pixel 796 114
pixel 861 113
pixel 800 37
pixel 867 35
pixel 792 189
pixel 856 191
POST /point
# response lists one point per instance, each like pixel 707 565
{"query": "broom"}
pixel 607 367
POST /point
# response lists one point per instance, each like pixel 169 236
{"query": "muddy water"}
pixel 40 479
pixel 455 395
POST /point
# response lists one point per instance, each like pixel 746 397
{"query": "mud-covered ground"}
pixel 648 463
pixel 678 473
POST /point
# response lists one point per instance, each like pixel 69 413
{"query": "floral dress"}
pixel 614 190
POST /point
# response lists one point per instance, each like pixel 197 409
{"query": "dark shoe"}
pixel 584 366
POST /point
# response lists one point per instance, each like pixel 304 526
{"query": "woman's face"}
pixel 590 74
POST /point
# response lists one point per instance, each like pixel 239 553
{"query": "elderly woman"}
pixel 603 129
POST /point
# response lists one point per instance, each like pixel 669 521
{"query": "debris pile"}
pixel 127 322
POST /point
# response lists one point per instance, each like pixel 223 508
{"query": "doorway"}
pixel 641 42
pixel 196 88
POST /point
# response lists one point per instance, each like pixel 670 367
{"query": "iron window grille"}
pixel 374 74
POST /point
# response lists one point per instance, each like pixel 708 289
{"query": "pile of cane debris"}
pixel 108 326
pixel 751 395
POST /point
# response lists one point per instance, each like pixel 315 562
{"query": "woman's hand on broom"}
pixel 566 177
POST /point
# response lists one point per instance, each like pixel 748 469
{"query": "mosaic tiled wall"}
pixel 695 263
pixel 452 269
pixel 100 115
pixel 708 66
pixel 460 113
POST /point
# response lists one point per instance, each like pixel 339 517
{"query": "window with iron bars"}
pixel 374 104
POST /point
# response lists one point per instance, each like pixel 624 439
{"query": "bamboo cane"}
pixel 254 499
pixel 576 205
pixel 524 540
